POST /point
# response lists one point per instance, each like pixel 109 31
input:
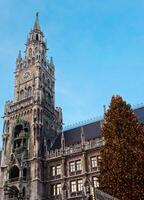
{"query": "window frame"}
pixel 94 163
pixel 58 189
pixel 58 170
pixel 73 186
pixel 72 167
pixel 53 171
pixel 78 164
pixel 95 181
pixel 79 185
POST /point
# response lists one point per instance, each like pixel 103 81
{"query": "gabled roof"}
pixel 92 130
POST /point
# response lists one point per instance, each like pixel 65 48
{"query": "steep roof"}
pixel 91 130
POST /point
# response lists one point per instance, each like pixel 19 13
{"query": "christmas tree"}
pixel 122 166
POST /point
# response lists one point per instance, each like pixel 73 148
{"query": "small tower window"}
pixel 14 173
pixel 23 192
pixel 21 94
pixel 30 52
pixel 25 172
pixel 29 92
pixel 37 37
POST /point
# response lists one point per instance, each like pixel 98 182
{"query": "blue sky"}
pixel 97 45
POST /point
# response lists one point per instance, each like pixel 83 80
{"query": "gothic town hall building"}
pixel 39 160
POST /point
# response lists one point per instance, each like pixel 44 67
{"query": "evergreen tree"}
pixel 122 166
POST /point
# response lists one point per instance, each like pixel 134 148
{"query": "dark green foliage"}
pixel 122 167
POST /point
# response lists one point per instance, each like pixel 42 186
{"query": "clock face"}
pixel 26 75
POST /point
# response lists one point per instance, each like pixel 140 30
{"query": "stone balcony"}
pixel 15 106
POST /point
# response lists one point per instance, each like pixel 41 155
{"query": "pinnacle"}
pixel 19 55
pixel 36 24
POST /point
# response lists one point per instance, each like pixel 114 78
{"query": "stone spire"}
pixel 19 55
pixel 36 24
pixel 62 141
pixel 82 137
pixel 19 61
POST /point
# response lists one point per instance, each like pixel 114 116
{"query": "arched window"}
pixel 29 92
pixel 14 173
pixel 21 95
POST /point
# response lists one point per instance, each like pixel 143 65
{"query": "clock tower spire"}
pixel 31 120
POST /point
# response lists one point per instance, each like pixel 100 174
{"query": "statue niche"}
pixel 20 136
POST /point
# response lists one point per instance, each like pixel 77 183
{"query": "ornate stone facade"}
pixel 31 121
pixel 39 160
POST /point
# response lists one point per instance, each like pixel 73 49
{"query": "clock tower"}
pixel 31 121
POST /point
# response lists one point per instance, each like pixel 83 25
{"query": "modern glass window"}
pixel 58 170
pixel 80 185
pixel 78 165
pixel 95 182
pixel 73 186
pixel 72 166
pixel 58 189
pixel 93 161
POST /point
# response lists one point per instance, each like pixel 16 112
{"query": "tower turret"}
pixel 19 61
pixel 36 47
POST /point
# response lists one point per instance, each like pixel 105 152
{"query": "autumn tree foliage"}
pixel 122 166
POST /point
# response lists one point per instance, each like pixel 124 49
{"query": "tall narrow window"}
pixel 30 52
pixel 21 95
pixel 23 192
pixel 93 162
pixel 37 37
pixel 24 173
pixel 95 182
pixel 72 166
pixel 58 170
pixel 58 189
pixel 73 186
pixel 78 165
pixel 80 185
pixel 53 190
pixel 53 171
pixel 29 92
